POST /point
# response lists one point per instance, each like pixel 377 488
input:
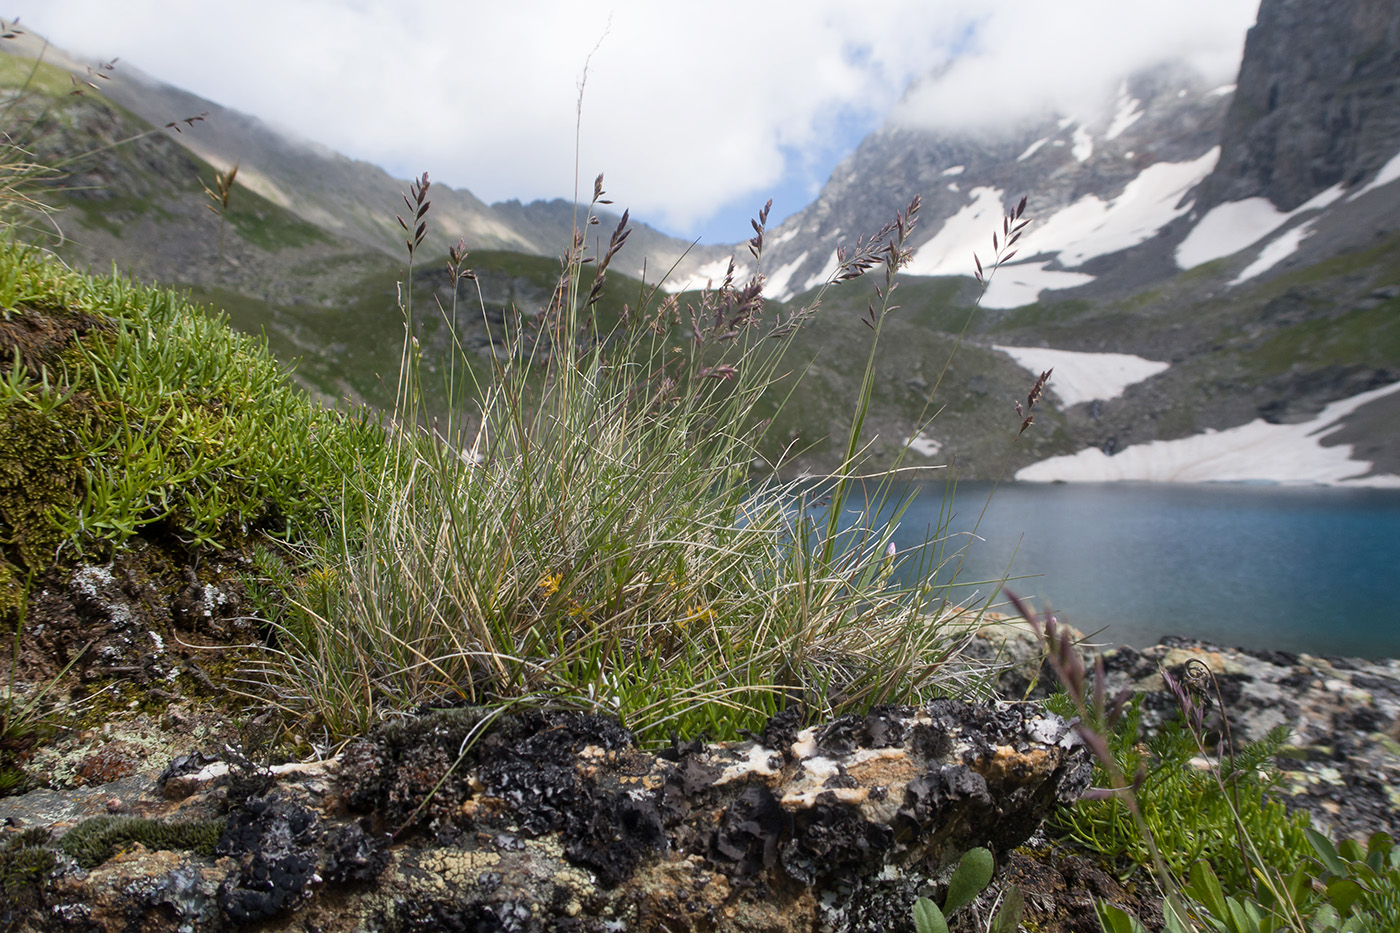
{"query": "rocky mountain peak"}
pixel 1166 115
pixel 1318 102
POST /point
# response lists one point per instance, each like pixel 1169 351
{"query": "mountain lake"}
pixel 1294 568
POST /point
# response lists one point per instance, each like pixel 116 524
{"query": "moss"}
pixel 94 841
pixel 38 478
pixel 26 859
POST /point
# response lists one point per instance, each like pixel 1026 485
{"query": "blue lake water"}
pixel 1290 568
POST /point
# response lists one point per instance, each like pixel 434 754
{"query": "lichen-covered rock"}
pixel 557 821
pixel 1342 763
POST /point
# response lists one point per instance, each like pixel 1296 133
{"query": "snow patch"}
pixel 1236 225
pixel 1083 144
pixel 955 170
pixel 953 186
pixel 1129 112
pixel 1221 91
pixel 777 285
pixel 709 272
pixel 1032 149
pixel 1281 453
pixel 1388 173
pixel 923 445
pixel 1280 249
pixel 782 238
pixel 1021 284
pixel 1090 227
pixel 1227 229
pixel 823 276
pixel 949 251
pixel 1084 377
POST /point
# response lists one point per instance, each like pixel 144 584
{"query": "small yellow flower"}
pixel 699 612
pixel 322 576
pixel 550 583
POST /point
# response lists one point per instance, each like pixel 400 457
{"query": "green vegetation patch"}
pixel 94 841
pixel 269 226
pixel 162 418
pixel 26 858
pixel 1369 337
pixel 1191 817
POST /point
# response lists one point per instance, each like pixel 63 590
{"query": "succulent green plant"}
pixel 969 879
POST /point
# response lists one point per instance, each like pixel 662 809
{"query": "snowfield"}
pixel 1084 377
pixel 1237 225
pixel 1258 451
pixel 1090 227
pixel 1020 284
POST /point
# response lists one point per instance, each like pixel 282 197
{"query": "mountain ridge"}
pixel 1145 244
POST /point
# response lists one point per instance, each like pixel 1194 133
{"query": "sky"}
pixel 696 112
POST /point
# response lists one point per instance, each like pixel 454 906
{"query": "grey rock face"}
pixel 1318 101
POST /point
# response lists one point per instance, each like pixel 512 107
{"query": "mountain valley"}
pixel 1241 237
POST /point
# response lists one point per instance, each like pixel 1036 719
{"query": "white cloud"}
pixel 689 105
pixel 1025 57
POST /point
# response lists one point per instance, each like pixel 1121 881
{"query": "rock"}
pixel 1342 764
pixel 1316 102
pixel 556 820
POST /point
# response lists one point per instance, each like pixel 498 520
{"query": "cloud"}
pixel 689 106
pixel 1026 57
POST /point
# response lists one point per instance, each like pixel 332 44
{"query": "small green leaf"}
pixel 1239 918
pixel 1326 852
pixel 1326 918
pixel 1116 920
pixel 1008 917
pixel 1174 917
pixel 928 918
pixel 1343 893
pixel 1205 887
pixel 1299 885
pixel 1351 850
pixel 973 874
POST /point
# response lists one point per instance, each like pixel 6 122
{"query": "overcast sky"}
pixel 697 112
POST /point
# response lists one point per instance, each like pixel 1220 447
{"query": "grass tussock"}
pixel 590 533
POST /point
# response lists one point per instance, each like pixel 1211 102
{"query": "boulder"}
pixel 549 820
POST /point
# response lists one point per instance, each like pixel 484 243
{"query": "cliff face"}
pixel 1317 103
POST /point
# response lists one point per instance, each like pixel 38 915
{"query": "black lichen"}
pixel 437 916
pixel 927 800
pixel 614 837
pixel 832 843
pixel 94 841
pixel 353 856
pixel 780 732
pixel 749 833
pixel 265 887
pixel 183 765
pixel 275 842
